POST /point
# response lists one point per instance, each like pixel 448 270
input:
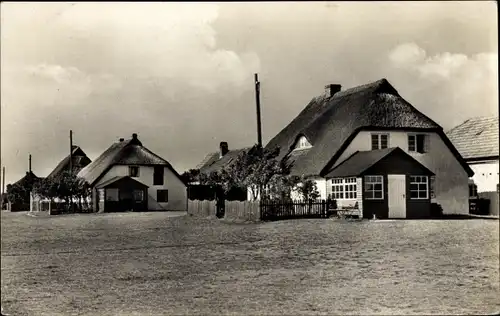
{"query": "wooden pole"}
pixel 3 187
pixel 257 101
pixel 70 151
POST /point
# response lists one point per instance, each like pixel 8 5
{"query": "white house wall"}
pixel 485 176
pixel 177 193
pixel 451 184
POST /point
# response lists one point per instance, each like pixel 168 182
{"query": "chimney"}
pixel 331 89
pixel 134 136
pixel 224 148
pixel 122 139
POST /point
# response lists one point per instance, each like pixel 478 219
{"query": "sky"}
pixel 180 75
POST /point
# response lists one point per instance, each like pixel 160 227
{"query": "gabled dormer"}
pixel 302 143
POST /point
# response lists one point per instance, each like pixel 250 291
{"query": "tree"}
pixel 307 189
pixel 252 169
pixel 65 187
pixel 192 175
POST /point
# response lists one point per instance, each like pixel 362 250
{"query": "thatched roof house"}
pixel 216 161
pixel 330 123
pixel 339 126
pixel 79 161
pixel 128 168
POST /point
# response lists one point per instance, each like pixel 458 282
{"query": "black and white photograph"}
pixel 249 158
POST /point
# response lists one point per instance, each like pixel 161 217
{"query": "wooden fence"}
pixel 252 211
pixel 247 211
pixel 203 208
pixel 276 210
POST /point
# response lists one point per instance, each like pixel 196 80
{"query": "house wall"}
pixel 321 185
pixel 401 164
pixel 485 176
pixel 451 184
pixel 177 192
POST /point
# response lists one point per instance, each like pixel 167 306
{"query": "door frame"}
pixel 399 208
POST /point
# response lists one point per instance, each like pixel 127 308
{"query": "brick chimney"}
pixel 224 148
pixel 331 89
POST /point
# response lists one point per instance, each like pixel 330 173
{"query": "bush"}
pixel 436 210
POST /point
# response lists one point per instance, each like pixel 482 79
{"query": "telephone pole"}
pixel 3 187
pixel 70 151
pixel 29 165
pixel 257 101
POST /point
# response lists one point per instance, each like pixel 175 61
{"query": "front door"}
pixel 397 195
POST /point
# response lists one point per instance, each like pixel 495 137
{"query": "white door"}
pixel 397 195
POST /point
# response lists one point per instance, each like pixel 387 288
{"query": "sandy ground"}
pixel 157 264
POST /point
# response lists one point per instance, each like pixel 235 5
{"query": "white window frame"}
pixel 372 180
pixel 415 149
pixel 344 189
pixel 379 140
pixel 419 180
pixel 302 143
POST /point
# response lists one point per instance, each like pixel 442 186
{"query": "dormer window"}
pixel 302 143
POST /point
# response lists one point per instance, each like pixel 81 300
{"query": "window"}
pixel 133 171
pixel 158 175
pixel 416 143
pixel 374 187
pixel 138 195
pixel 112 194
pixel 162 196
pixel 419 187
pixel 337 189
pixel 432 184
pixel 302 143
pixel 344 189
pixel 380 141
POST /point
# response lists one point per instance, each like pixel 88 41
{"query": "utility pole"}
pixel 257 101
pixel 29 165
pixel 70 151
pixel 3 187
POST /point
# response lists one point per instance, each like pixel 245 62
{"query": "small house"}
pixel 477 141
pixel 367 147
pixel 129 177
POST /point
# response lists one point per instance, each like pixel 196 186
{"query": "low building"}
pixel 341 128
pixel 477 140
pixel 129 177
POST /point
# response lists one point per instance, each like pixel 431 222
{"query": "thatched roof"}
pixel 28 180
pixel 213 162
pixel 123 152
pixel 476 138
pixel 362 161
pixel 330 124
pixel 79 161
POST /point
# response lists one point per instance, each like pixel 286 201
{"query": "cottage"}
pixel 128 176
pixel 216 162
pixel 369 145
pixel 79 160
pixel 477 141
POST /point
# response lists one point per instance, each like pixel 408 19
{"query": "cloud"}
pixel 106 70
pixel 444 83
